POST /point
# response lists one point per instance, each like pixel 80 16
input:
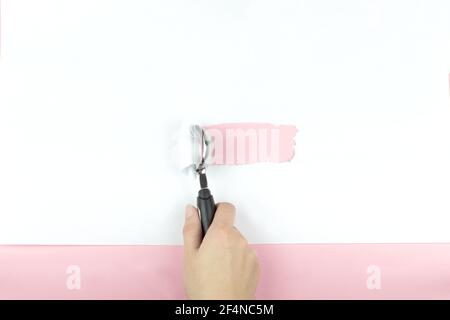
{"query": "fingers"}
pixel 192 231
pixel 225 214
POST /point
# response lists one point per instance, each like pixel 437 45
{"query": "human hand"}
pixel 223 266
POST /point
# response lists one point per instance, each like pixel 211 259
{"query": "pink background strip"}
pixel 408 271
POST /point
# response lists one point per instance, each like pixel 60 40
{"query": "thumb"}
pixel 192 231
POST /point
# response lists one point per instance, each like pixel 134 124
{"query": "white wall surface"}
pixel 92 90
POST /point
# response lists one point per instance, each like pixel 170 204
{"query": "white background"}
pixel 92 91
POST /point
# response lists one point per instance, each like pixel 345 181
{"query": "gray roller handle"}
pixel 206 205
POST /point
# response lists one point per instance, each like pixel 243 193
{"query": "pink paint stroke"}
pixel 247 143
pixel 297 271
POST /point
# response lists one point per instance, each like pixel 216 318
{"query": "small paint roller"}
pixel 195 151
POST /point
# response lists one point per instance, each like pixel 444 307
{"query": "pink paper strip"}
pixel 366 271
pixel 247 143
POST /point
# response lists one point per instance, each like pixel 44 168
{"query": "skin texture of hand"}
pixel 223 266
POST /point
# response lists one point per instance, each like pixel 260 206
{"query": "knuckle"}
pixel 257 269
pixel 252 255
pixel 253 260
pixel 220 228
pixel 188 228
pixel 221 231
pixel 242 242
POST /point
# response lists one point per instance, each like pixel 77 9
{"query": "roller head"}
pixel 193 148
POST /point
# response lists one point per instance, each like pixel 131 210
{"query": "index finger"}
pixel 225 214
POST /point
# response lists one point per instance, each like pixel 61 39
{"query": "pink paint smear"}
pixel 247 143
